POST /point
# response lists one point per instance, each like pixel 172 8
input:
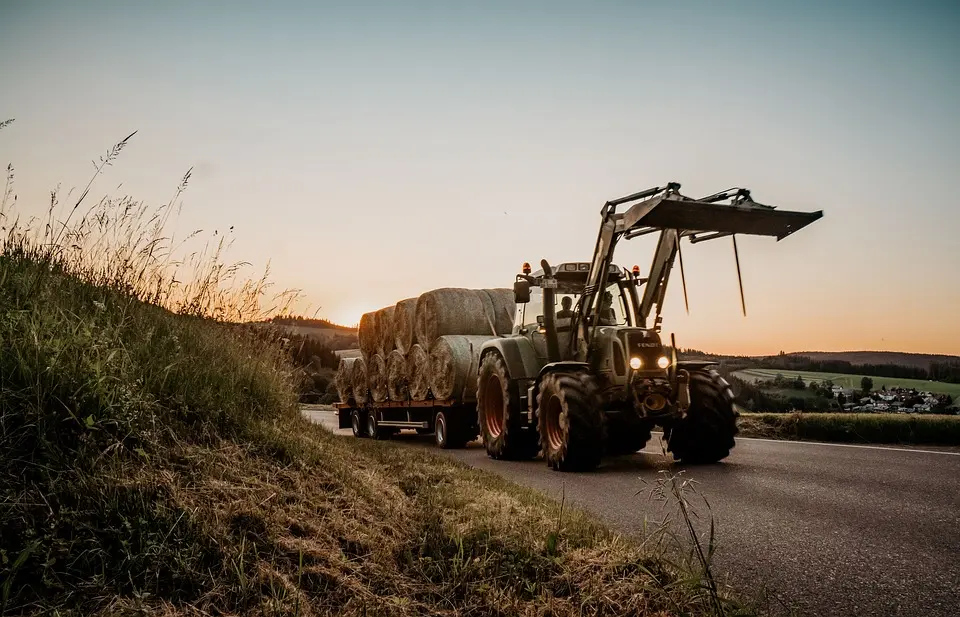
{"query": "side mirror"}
pixel 521 292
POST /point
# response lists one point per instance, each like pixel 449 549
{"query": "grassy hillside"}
pixel 155 462
pixel 852 381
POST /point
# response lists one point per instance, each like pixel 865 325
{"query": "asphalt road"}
pixel 825 529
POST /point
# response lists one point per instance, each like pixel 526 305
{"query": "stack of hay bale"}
pixel 425 347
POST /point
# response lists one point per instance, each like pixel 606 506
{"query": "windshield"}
pixel 612 309
pixel 612 313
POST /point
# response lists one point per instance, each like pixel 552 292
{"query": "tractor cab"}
pixel 619 301
pixel 621 350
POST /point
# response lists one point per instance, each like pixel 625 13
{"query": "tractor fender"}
pixel 695 365
pixel 551 367
pixel 518 354
pixel 563 365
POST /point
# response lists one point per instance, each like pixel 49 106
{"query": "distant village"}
pixel 786 394
pixel 894 400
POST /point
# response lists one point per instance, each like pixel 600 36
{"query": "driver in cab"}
pixel 607 315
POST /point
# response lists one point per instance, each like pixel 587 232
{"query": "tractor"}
pixel 585 373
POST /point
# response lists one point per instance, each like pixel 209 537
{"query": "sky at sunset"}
pixel 371 151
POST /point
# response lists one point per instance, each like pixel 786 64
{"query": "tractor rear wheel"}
pixel 571 422
pixel 499 415
pixel 706 434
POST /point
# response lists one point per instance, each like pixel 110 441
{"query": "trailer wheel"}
pixel 448 432
pixel 498 413
pixel 358 424
pixel 374 430
pixel 706 434
pixel 571 422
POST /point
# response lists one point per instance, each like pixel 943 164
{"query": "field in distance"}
pixel 851 381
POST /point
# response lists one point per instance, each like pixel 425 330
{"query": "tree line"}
pixel 948 371
pixel 297 320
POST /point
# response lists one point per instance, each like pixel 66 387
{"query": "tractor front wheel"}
pixel 706 434
pixel 571 422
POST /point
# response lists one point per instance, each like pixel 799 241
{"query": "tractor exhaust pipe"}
pixel 550 312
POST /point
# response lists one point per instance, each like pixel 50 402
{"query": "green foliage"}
pixel 855 427
pixel 866 384
pixel 97 390
pixel 781 395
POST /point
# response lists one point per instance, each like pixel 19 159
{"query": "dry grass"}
pixel 153 460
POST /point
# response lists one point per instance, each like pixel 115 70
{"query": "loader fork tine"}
pixel 736 256
pixel 683 278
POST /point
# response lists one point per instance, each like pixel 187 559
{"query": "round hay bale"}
pixel 361 389
pixel 403 320
pixel 344 379
pixel 418 371
pixel 452 310
pixel 454 363
pixel 384 328
pixel 398 380
pixel 367 334
pixel 377 378
pixel 505 307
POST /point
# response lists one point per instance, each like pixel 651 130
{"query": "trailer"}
pixel 452 423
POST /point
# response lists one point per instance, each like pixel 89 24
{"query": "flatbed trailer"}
pixel 453 423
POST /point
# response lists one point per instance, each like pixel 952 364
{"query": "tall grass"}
pixel 124 245
pixel 153 459
pixel 109 364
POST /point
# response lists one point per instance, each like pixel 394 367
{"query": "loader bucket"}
pixel 676 212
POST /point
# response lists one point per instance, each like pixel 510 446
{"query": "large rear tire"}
pixel 571 422
pixel 498 413
pixel 706 434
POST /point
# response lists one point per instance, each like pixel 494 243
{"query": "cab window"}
pixel 533 308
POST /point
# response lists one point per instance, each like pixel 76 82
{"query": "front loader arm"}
pixel 656 286
pixel 665 210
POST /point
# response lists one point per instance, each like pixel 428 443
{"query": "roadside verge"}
pixel 862 428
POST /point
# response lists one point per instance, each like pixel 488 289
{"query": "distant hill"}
pixel 332 338
pixel 331 335
pixel 322 324
pixel 918 360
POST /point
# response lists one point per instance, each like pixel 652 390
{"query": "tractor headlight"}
pixel 635 363
pixel 663 362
